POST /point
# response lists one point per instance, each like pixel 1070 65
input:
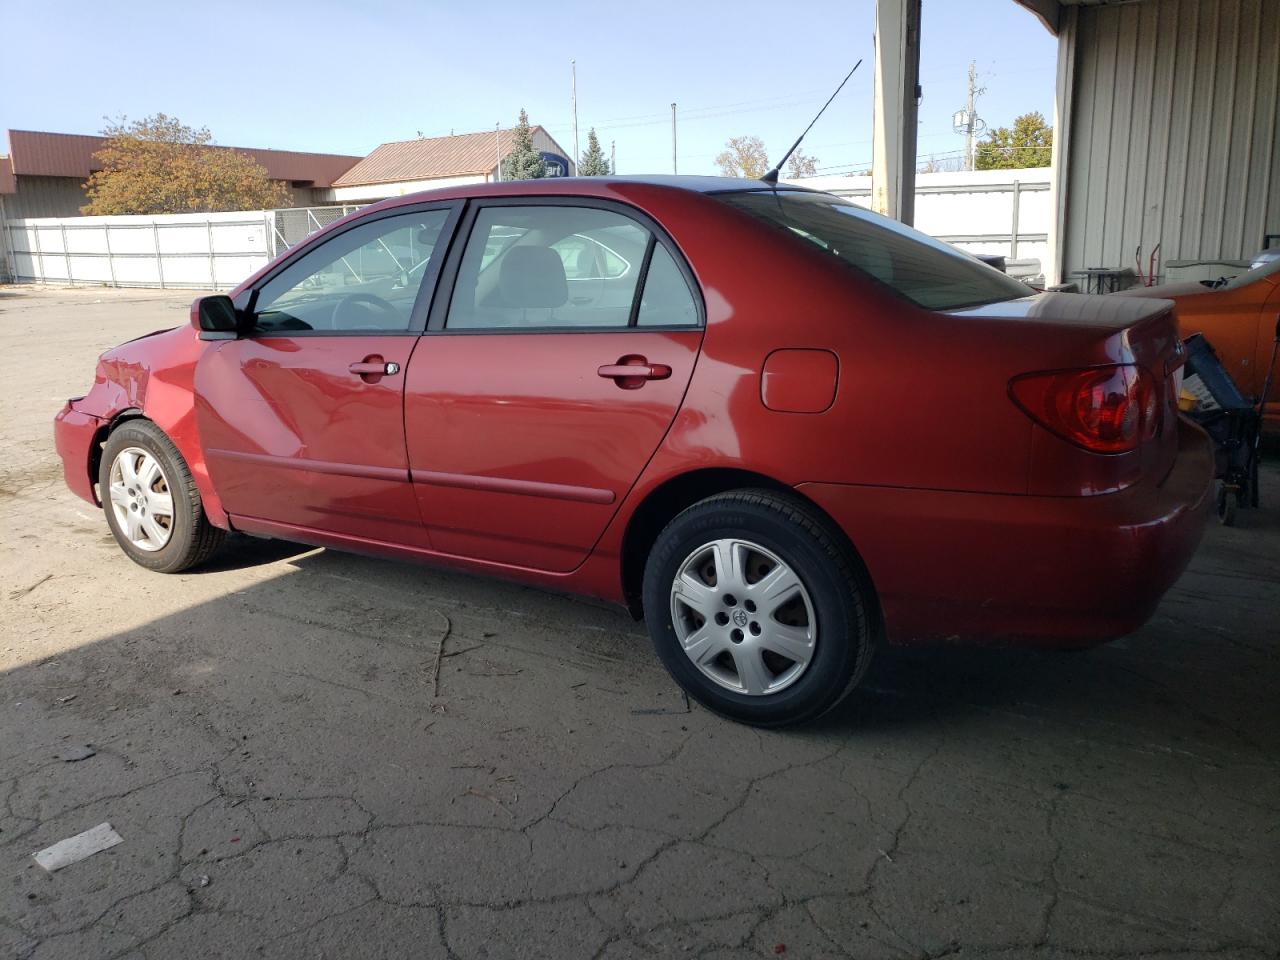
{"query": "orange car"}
pixel 1239 318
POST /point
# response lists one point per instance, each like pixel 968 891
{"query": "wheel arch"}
pixel 661 505
pixel 100 439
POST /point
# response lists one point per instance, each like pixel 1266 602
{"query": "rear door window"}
pixel 547 266
pixel 666 300
pixel 543 266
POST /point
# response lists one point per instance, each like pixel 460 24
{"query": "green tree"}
pixel 523 162
pixel 1028 144
pixel 159 165
pixel 800 164
pixel 744 157
pixel 594 163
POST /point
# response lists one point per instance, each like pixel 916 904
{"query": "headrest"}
pixel 532 277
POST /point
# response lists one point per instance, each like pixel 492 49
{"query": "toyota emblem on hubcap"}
pixel 740 617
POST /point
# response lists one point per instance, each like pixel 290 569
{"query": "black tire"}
pixel 1256 456
pixel 1227 502
pixel 192 539
pixel 838 589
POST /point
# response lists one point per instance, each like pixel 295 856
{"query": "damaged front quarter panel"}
pixel 153 376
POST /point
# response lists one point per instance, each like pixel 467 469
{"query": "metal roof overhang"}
pixel 1050 11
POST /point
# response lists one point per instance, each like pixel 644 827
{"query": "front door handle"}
pixel 631 371
pixel 373 368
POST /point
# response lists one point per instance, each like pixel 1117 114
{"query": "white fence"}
pixel 203 251
pixel 206 251
pixel 1004 212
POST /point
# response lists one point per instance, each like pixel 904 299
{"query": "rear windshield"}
pixel 927 272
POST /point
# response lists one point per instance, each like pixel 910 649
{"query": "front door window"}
pixel 365 280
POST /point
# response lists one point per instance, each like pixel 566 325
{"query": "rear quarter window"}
pixel 926 271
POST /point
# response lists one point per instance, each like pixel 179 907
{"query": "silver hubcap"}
pixel 141 499
pixel 743 617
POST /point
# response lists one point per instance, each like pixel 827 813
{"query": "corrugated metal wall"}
pixel 1174 135
pixel 45 197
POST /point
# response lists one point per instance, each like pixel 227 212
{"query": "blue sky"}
pixel 344 77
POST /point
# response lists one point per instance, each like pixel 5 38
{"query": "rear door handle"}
pixel 368 368
pixel 632 370
pixel 374 366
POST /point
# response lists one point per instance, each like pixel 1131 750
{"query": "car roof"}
pixel 698 184
pixel 585 186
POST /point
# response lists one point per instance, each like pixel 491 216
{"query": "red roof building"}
pixel 43 174
pixel 407 166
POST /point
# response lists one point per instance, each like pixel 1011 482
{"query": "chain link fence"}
pixel 292 226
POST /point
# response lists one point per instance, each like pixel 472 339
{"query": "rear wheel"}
pixel 757 609
pixel 1228 499
pixel 151 502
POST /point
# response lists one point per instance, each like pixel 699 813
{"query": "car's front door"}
pixel 302 418
pixel 545 383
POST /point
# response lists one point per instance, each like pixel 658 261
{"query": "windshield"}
pixel 1267 268
pixel 927 272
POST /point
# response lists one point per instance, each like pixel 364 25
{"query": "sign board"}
pixel 557 166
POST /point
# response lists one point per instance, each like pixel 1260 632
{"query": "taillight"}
pixel 1104 409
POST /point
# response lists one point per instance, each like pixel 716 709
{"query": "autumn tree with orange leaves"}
pixel 159 165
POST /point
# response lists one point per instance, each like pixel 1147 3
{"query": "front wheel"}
pixel 152 505
pixel 757 609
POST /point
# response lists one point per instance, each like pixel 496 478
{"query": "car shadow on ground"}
pixel 1161 666
pixel 367 739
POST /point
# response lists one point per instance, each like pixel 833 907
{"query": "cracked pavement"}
pixel 287 783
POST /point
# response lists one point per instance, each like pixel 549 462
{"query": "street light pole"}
pixel 497 147
pixel 673 138
pixel 573 66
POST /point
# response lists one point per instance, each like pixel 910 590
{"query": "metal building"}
pixel 1169 112
pixel 1167 127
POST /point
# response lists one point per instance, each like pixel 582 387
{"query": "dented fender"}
pixel 153 375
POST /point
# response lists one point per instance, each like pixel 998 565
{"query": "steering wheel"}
pixel 345 318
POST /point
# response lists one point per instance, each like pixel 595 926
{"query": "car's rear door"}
pixel 539 393
pixel 302 418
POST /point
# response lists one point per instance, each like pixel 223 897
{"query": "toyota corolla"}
pixel 780 428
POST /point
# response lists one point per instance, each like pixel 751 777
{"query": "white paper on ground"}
pixel 74 849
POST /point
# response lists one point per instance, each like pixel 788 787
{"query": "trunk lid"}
pixel 1062 331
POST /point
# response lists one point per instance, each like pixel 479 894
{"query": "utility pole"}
pixel 969 105
pixel 573 66
pixel 673 138
pixel 967 121
pixel 613 158
pixel 497 146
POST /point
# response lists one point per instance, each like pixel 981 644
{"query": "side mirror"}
pixel 215 317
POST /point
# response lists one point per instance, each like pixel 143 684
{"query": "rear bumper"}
pixel 1045 571
pixel 73 433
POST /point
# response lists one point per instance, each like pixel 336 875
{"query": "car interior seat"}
pixel 533 278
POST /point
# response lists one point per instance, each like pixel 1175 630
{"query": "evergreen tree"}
pixel 594 163
pixel 1028 144
pixel 523 162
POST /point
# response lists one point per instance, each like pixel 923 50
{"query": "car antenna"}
pixel 771 177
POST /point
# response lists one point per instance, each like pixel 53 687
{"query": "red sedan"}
pixel 775 425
